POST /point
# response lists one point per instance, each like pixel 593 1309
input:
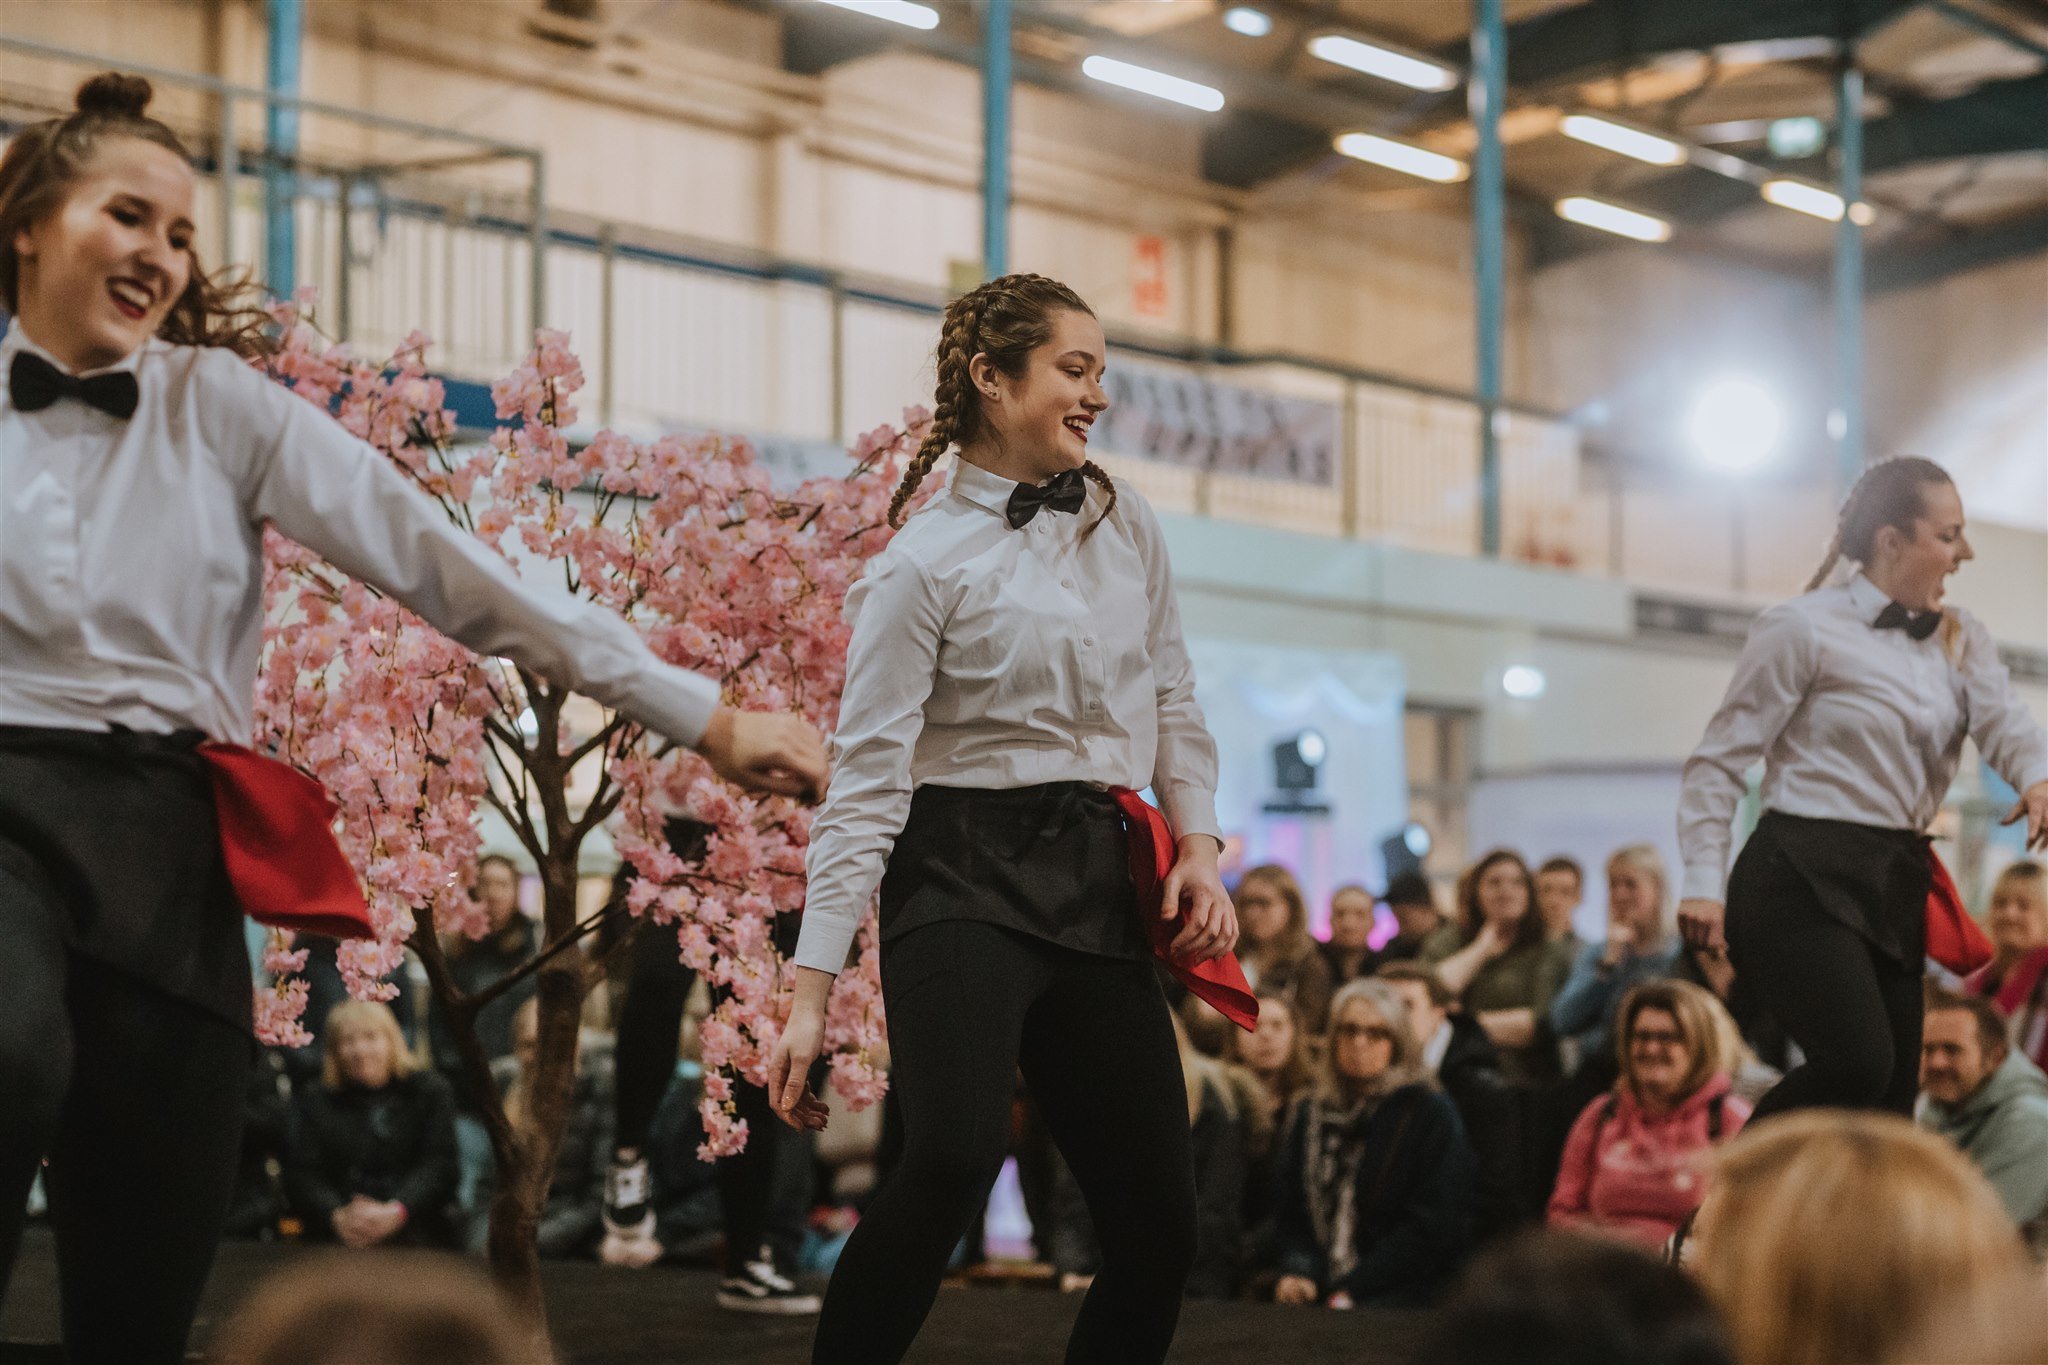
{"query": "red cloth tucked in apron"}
pixel 277 841
pixel 1220 981
pixel 1953 938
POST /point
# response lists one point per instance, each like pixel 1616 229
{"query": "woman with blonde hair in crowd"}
pixel 1376 1182
pixel 1839 1238
pixel 373 1151
pixel 1279 955
pixel 1635 1164
pixel 1640 946
pixel 2016 980
pixel 1506 971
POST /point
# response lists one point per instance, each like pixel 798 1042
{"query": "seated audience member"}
pixel 2016 978
pixel 1278 1054
pixel 572 1220
pixel 1349 949
pixel 1421 929
pixel 1837 1237
pixel 1640 946
pixel 1466 1064
pixel 408 1308
pixel 509 942
pixel 1375 1181
pixel 1560 889
pixel 373 1153
pixel 1505 971
pixel 1982 1095
pixel 1275 948
pixel 1558 1298
pixel 1636 1162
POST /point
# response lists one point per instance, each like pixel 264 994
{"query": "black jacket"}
pixel 1492 1114
pixel 394 1143
pixel 1414 1199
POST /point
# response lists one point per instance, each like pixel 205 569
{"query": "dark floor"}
pixel 617 1317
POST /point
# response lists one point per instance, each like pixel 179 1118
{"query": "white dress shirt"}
pixel 995 658
pixel 1853 723
pixel 131 557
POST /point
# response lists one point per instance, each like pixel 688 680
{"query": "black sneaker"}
pixel 759 1289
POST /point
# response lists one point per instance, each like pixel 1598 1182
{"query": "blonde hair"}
pixel 394 1308
pixel 2026 873
pixel 1645 858
pixel 1698 1016
pixel 1831 1237
pixel 1405 1068
pixel 1006 320
pixel 373 1016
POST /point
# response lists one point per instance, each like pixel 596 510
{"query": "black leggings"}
pixel 967 1005
pixel 1853 1008
pixel 136 1099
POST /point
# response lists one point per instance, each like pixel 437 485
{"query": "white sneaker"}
pixel 759 1289
pixel 628 1216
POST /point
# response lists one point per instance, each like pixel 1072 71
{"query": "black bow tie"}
pixel 34 383
pixel 1063 492
pixel 1918 624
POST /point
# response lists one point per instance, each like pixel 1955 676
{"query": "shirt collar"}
pixel 1867 598
pixel 1439 1044
pixel 18 340
pixel 980 487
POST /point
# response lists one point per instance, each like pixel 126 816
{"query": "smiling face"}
pixel 1953 1062
pixel 1633 900
pixel 1913 567
pixel 2019 914
pixel 100 271
pixel 364 1055
pixel 1037 421
pixel 1658 1058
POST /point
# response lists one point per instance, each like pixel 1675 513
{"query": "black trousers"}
pixel 136 1099
pixel 968 1003
pixel 1827 971
pixel 645 1061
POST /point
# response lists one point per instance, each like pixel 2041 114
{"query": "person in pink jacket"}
pixel 1635 1164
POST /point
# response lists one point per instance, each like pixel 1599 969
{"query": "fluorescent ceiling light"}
pixel 1401 156
pixel 1598 213
pixel 1812 199
pixel 1619 137
pixel 1417 73
pixel 895 11
pixel 1252 23
pixel 1146 81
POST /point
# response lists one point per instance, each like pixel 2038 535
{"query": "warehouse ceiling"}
pixel 1955 104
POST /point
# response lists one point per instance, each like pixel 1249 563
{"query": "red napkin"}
pixel 1953 938
pixel 1219 981
pixel 277 839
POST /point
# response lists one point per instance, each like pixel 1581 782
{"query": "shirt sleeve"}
pixel 897 622
pixel 1777 666
pixel 1184 772
pixel 2007 735
pixel 304 473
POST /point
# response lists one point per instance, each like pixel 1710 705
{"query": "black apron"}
pixel 1873 880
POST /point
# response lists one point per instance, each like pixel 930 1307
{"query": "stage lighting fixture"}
pixel 1157 84
pixel 1252 23
pixel 1401 156
pixel 1619 137
pixel 1389 64
pixel 1598 213
pixel 1735 424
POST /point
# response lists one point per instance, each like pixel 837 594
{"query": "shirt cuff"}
pixel 676 704
pixel 1704 882
pixel 1190 809
pixel 821 945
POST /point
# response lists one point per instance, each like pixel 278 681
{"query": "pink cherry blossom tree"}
pixel 723 573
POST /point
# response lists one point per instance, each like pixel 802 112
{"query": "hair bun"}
pixel 115 93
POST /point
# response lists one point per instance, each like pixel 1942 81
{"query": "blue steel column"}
pixel 287 21
pixel 1847 424
pixel 995 138
pixel 1486 92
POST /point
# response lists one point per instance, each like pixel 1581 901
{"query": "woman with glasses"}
pixel 1376 1179
pixel 1635 1163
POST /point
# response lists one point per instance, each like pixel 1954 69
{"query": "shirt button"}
pixel 1087 639
pixel 1066 582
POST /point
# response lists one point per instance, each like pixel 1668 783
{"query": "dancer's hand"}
pixel 1194 885
pixel 1295 1289
pixel 2033 807
pixel 766 752
pixel 803 1037
pixel 1699 922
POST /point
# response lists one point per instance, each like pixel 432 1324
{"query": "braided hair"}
pixel 1888 494
pixel 1005 319
pixel 46 159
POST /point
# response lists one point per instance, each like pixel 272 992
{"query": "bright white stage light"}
pixel 1619 137
pixel 1415 839
pixel 1401 156
pixel 1812 199
pixel 1158 84
pixel 1402 68
pixel 1523 682
pixel 1598 213
pixel 1309 744
pixel 1252 23
pixel 895 11
pixel 1735 423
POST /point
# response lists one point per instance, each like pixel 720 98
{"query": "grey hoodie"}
pixel 2003 1127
